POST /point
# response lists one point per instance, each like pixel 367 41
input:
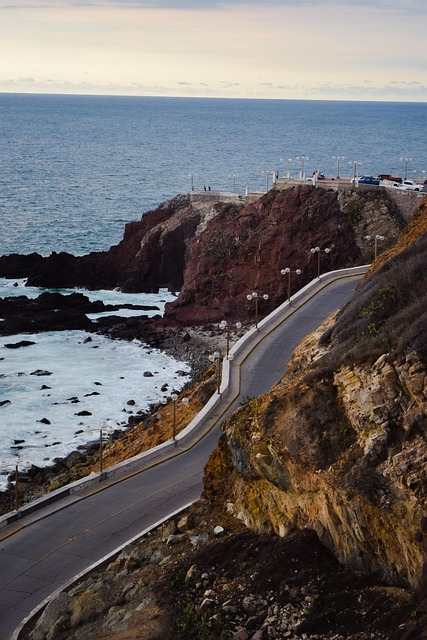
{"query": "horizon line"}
pixel 266 99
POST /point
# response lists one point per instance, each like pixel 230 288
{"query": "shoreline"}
pixel 143 431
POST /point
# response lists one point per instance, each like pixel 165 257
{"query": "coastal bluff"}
pixel 215 253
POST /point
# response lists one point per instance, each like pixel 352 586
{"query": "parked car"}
pixel 386 176
pixel 369 180
pixel 409 185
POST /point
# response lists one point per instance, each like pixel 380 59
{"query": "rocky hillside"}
pixel 216 253
pixel 339 444
pixel 244 249
pixel 314 521
pixel 204 576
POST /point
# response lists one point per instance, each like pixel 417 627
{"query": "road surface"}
pixel 41 553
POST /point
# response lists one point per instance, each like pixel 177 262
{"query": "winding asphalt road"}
pixel 43 552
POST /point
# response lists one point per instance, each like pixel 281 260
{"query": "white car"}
pixel 408 185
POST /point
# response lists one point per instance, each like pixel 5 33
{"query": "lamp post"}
pixel 216 357
pixel 226 325
pixel 18 460
pixel 318 250
pixel 287 161
pixel 338 159
pixel 174 398
pixel 287 271
pixel 356 165
pixel 303 159
pixel 377 238
pixel 191 176
pixel 255 296
pixel 405 161
pixel 234 176
pixel 267 173
pixel 108 430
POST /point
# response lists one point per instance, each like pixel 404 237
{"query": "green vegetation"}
pixel 377 305
pixel 221 276
pixel 226 248
pixel 193 624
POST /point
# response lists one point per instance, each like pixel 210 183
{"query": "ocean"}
pixel 76 169
pixel 57 392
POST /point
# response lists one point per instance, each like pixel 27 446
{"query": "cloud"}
pixel 394 90
pixel 264 48
pixel 409 6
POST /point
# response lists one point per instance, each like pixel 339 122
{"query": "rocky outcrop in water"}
pixel 151 255
pixel 56 312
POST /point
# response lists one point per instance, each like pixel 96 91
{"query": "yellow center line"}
pixel 92 527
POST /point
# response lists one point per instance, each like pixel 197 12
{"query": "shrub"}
pixel 387 312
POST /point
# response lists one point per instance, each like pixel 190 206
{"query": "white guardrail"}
pixel 199 426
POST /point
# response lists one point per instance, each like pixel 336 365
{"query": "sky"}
pixel 270 49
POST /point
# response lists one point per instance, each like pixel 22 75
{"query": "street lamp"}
pixel 174 398
pixel 105 428
pixel 234 176
pixel 191 176
pixel 287 161
pixel 338 159
pixel 287 271
pixel 226 325
pixel 376 239
pixel 405 161
pixel 18 461
pixel 267 173
pixel 216 357
pixel 355 164
pixel 255 296
pixel 303 159
pixel 318 250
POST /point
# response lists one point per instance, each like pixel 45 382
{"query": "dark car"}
pixel 369 180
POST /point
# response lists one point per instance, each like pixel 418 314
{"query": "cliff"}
pixel 151 255
pixel 339 444
pixel 244 249
pixel 216 253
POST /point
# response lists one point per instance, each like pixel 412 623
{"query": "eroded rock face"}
pixel 214 253
pixel 339 444
pixel 151 255
pixel 346 457
pixel 244 249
